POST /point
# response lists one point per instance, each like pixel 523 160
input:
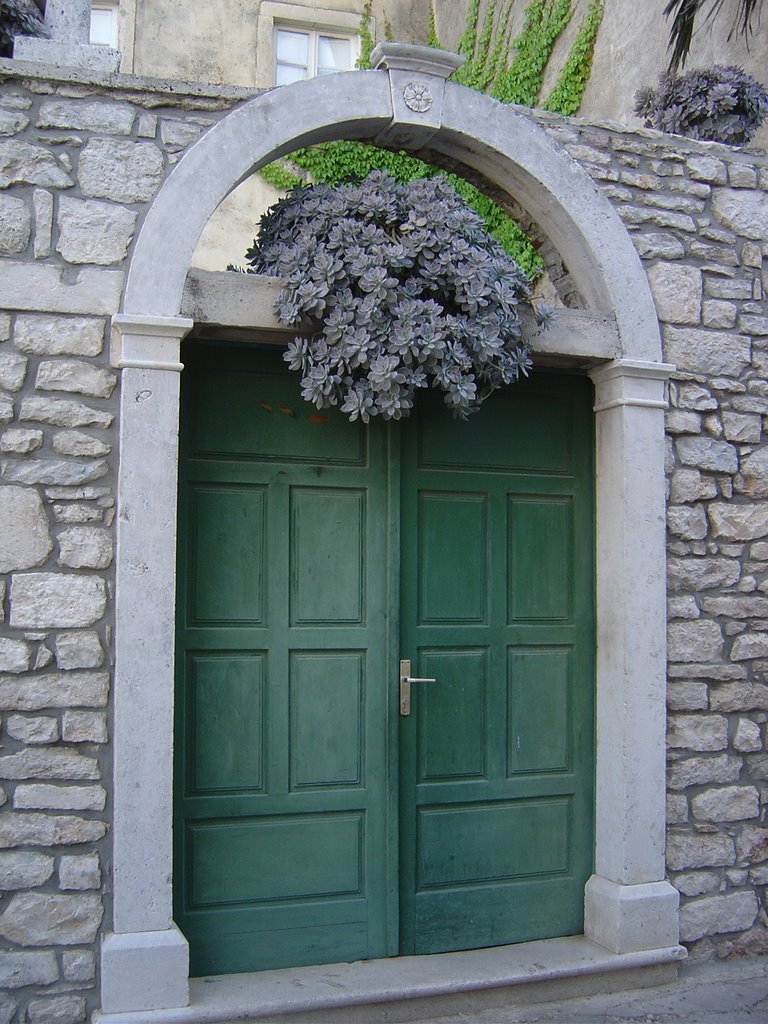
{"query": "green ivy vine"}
pixel 487 46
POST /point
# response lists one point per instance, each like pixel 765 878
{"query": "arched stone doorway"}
pixel 630 910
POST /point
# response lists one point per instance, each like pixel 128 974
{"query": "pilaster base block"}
pixel 631 918
pixel 144 971
pixel 86 56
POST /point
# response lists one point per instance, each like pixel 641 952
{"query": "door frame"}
pixel 629 907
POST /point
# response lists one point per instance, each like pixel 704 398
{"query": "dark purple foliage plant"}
pixel 721 104
pixel 396 287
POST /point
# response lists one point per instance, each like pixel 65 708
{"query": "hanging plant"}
pixel 400 288
pixel 721 104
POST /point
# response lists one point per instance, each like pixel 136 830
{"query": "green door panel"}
pixel 313 824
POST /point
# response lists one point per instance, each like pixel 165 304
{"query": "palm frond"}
pixel 684 14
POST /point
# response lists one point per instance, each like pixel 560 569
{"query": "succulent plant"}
pixel 722 104
pixel 396 287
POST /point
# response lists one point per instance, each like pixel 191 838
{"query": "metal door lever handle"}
pixel 405 686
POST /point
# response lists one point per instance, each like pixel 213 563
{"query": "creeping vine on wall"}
pixel 511 70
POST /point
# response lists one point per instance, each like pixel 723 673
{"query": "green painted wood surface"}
pixel 312 823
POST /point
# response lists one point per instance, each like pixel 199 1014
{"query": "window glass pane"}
pixel 286 73
pixel 333 54
pixel 103 27
pixel 292 47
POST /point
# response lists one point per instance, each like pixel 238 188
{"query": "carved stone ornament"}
pixel 417 97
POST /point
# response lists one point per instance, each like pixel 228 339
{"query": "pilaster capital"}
pixel 630 382
pixel 148 342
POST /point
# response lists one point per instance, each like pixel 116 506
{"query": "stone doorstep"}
pixel 416 987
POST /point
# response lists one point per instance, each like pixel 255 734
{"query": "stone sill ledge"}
pixel 175 88
pixel 370 989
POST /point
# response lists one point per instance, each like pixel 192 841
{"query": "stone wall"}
pixel 79 165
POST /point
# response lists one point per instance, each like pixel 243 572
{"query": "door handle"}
pixel 405 686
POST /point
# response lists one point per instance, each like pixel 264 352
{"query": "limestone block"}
pixel 677 292
pixel 687 696
pixel 147 126
pixel 43 204
pixel 706 453
pixel 701 573
pixel 78 965
pixel 759 551
pixel 39 796
pixel 25 539
pixel 741 427
pixel 753 478
pixel 94 232
pixel 15 225
pixel 44 657
pixel 690 485
pixel 739 696
pixel 14 655
pixel 19 829
pixel 76 376
pixel 688 523
pixel 80 873
pixel 52 763
pixel 50 600
pixel 697 883
pixel 707 352
pixel 715 915
pixel 658 245
pixel 752 844
pixel 726 803
pixel 739 522
pixel 694 641
pixel 745 212
pixel 753 324
pixel 126 172
pixel 24 164
pixel 728 288
pixel 74 442
pixel 54 690
pixel 742 176
pixel 63 412
pixel 23 870
pixel 683 607
pixel 696 732
pixel 5 326
pixel 41 729
pixel 19 969
pixel 694 396
pixel 8 1008
pixel 677 809
pixel 694 850
pixel 64 472
pixel 751 255
pixel 85 547
pixel 181 133
pixel 748 738
pixel 96 116
pixel 79 650
pixel 12 122
pixel 56 1010
pixel 681 421
pixel 718 314
pixel 84 727
pixel 38 919
pixel 21 441
pixel 750 645
pixel 77 514
pixel 736 606
pixel 59 335
pixel 30 286
pixel 706 168
pixel 6 408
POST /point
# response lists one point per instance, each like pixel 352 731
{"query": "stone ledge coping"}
pixel 368 984
pixel 16 68
pixel 246 301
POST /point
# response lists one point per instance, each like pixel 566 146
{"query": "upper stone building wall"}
pixel 80 163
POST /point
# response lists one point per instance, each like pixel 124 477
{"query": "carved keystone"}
pixel 417 77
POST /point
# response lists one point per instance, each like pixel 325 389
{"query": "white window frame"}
pixel 296 17
pixel 111 6
pixel 314 35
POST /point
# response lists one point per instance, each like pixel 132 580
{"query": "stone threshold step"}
pixel 415 987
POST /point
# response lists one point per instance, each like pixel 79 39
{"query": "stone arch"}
pixel 630 910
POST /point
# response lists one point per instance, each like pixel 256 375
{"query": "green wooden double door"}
pixel 314 822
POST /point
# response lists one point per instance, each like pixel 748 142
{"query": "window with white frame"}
pixel 306 53
pixel 104 24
